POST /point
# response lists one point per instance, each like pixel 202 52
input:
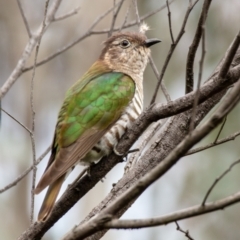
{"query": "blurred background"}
pixel 183 186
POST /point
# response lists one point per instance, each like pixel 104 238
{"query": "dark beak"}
pixel 152 41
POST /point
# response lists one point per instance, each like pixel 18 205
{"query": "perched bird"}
pixel 97 110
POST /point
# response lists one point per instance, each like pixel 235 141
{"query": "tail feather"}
pixel 50 199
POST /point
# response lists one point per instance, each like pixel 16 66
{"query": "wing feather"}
pixel 84 118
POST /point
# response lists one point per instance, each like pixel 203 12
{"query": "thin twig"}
pixel 126 17
pixel 221 128
pixel 33 112
pixel 194 46
pixel 71 44
pixel 24 19
pixel 155 70
pixel 171 50
pixel 18 70
pixel 90 32
pixel 186 233
pixel 66 15
pixel 29 131
pixel 213 144
pixel 217 180
pixel 134 22
pixel 170 22
pixel 137 12
pixel 194 111
pixel 115 14
pixel 28 170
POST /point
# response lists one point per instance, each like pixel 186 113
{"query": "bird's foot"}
pixel 125 155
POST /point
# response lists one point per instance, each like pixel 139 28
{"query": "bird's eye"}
pixel 125 43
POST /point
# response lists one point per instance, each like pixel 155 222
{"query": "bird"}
pixel 96 111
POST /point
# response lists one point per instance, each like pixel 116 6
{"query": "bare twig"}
pixel 170 22
pixel 71 44
pixel 90 32
pixel 213 144
pixel 194 46
pixel 163 88
pixel 28 170
pixel 171 50
pixel 186 233
pixel 24 19
pixel 66 15
pixel 217 180
pixel 220 130
pixel 29 131
pixel 18 70
pixel 194 111
pixel 126 17
pixel 33 112
pixel 136 12
pixel 115 14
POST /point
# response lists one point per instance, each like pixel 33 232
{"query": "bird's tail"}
pixel 50 199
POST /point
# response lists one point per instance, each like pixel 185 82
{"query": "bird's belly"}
pixel 106 144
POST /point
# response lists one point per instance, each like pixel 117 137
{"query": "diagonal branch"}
pixel 28 50
pixel 194 46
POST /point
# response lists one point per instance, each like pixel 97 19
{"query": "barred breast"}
pixel 111 138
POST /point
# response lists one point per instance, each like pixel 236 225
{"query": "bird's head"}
pixel 127 53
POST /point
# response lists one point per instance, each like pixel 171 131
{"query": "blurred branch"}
pixel 115 14
pixel 90 32
pixel 71 44
pixel 95 224
pixel 28 130
pixel 170 22
pixel 18 179
pixel 171 50
pixel 217 180
pixel 194 111
pixel 66 15
pixel 136 13
pixel 135 22
pixel 33 112
pixel 18 70
pixel 186 233
pixel 194 46
pixel 213 144
pixel 221 128
pixel 24 18
pixel 126 17
pixel 163 88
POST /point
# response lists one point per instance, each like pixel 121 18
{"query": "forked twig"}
pixel 171 50
pixel 66 15
pixel 186 233
pixel 24 18
pixel 217 180
pixel 24 174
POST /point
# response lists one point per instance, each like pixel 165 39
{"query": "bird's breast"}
pixel 112 137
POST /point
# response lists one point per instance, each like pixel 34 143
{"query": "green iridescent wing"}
pixel 89 110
